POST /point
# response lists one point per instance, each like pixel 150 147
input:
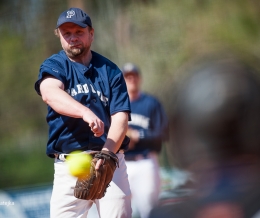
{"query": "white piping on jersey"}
pixel 139 120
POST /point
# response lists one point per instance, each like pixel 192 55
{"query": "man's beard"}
pixel 74 52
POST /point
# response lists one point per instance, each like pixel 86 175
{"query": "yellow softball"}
pixel 79 163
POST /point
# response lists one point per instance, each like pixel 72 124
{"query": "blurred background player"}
pixel 217 137
pixel 147 131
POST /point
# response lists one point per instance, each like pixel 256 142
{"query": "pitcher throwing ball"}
pixel 88 110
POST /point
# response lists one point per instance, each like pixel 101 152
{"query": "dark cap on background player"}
pixel 216 133
pixel 74 15
pixel 130 68
pixel 217 112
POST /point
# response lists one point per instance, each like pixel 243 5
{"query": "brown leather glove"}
pixel 95 184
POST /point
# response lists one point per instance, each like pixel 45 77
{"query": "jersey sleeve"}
pixel 50 67
pixel 119 100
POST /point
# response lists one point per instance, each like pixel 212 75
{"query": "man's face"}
pixel 133 82
pixel 75 40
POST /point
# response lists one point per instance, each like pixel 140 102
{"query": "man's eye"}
pixel 80 32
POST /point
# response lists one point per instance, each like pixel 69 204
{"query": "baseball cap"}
pixel 74 15
pixel 130 68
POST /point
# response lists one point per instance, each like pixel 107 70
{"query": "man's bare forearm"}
pixel 117 131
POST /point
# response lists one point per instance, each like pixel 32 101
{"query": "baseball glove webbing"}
pixel 95 184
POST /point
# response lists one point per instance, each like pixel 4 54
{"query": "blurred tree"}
pixel 52 9
pixel 159 36
pixel 77 4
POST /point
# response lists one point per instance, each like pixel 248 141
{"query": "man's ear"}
pixel 91 31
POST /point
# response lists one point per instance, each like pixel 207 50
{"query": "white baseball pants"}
pixel 115 204
pixel 145 183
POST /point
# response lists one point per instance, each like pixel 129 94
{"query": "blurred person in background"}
pixel 147 130
pixel 216 122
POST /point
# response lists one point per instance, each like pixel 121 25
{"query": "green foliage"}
pixel 20 169
pixel 19 69
pixel 21 116
pixel 161 36
pixel 25 163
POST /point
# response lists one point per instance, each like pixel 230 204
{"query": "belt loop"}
pixel 62 157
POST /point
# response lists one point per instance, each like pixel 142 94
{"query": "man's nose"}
pixel 73 38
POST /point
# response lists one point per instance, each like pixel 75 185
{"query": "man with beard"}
pixel 88 110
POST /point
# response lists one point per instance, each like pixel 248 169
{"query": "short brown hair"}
pixel 57 33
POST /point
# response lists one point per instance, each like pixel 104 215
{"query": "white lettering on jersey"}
pixel 102 97
pixel 85 89
pixel 80 88
pixel 139 120
pixel 92 89
pixel 73 92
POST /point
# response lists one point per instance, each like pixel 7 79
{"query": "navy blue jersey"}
pixel 100 87
pixel 149 118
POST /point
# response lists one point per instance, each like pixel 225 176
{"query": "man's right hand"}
pixel 134 137
pixel 96 125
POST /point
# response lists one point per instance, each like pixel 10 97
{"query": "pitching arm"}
pixel 53 94
pixel 117 131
